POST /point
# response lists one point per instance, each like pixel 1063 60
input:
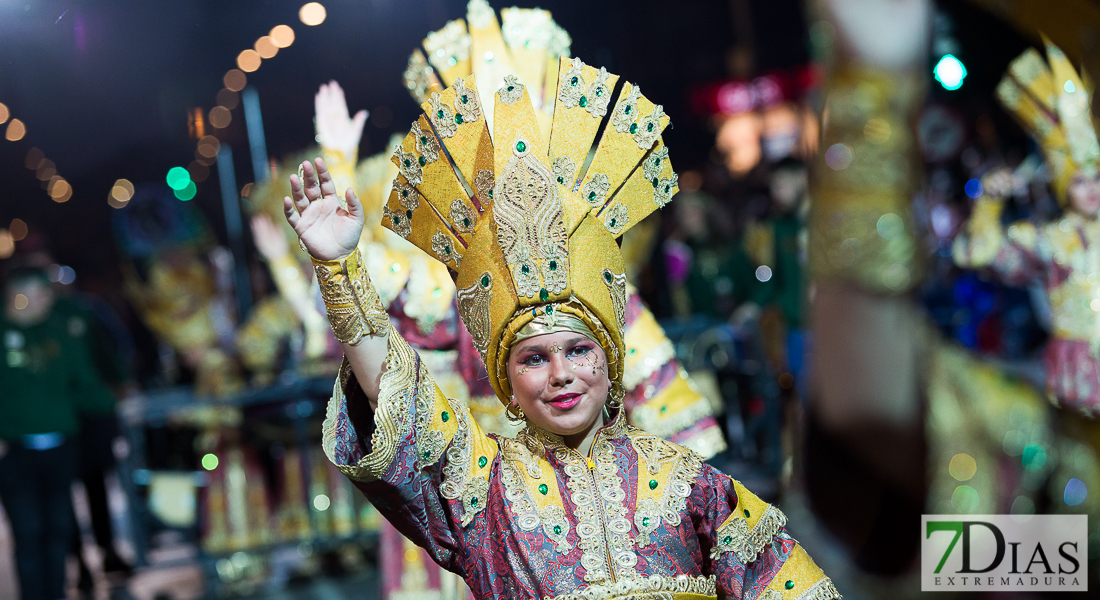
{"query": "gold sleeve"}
pixel 354 308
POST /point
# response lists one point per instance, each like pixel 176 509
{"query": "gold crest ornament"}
pixel 529 234
pixel 1052 102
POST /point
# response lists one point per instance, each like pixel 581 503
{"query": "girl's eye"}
pixel 533 360
pixel 578 350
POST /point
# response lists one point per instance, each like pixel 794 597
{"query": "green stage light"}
pixel 188 192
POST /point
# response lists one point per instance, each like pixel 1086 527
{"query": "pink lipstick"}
pixel 565 401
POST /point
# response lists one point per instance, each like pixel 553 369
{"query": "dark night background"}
pixel 105 87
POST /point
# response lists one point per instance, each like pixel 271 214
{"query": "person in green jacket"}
pixel 44 374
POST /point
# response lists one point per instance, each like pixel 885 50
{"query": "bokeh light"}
pixel 188 192
pixel 763 273
pixel 16 130
pixel 220 117
pixel 18 229
pixel 46 170
pixel 228 98
pixel 1034 457
pixel 321 502
pixel 248 61
pixel 121 192
pixel 838 157
pixel 962 467
pixel 178 178
pixel 199 172
pixel 1076 492
pixel 964 499
pixel 210 462
pixel 266 47
pixel 7 244
pixel 4 113
pixel 60 190
pixel 282 35
pixel 209 146
pixel 877 130
pixel 235 80
pixel 974 188
pixel 312 14
pixel 34 159
pixel 950 72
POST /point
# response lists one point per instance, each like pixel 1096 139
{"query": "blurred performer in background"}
pixel 902 423
pixel 46 379
pixel 1051 101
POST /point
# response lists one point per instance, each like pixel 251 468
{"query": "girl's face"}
pixel 560 381
pixel 1084 194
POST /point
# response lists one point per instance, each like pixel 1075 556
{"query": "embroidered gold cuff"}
pixel 860 224
pixel 354 308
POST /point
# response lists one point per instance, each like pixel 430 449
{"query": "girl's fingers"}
pixel 355 206
pixel 325 183
pixel 311 184
pixel 300 201
pixel 292 215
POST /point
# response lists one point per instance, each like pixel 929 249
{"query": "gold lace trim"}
pixel 654 586
pixel 353 306
pixel 735 535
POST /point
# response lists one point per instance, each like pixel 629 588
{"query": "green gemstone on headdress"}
pixel 524 269
pixel 561 180
pixel 424 139
pixel 481 462
pixel 427 455
pixel 396 220
pixel 573 81
pixel 747 513
pixel 583 102
pixel 511 88
pixel 447 249
pixel 649 127
pixel 607 276
pixel 613 222
pixel 553 265
pixel 544 295
pixel 439 114
pixel 543 489
pixel 466 222
pixel 599 91
pixel 633 127
pixel 423 161
pixel 404 193
pixel 521 146
pixel 465 99
pixel 668 188
pixel 627 109
pixel 490 194
pixel 458 119
pixel 484 281
pixel 789 585
pixel 655 182
pixel 409 213
pixel 446 416
pixel 652 484
pixel 657 162
pixel 408 163
pixel 664 409
pixel 550 309
pixel 591 195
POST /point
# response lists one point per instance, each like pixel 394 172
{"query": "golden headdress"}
pixel 1053 104
pixel 526 221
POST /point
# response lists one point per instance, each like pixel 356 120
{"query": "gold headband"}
pixel 553 323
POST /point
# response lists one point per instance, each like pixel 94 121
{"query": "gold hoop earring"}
pixel 515 418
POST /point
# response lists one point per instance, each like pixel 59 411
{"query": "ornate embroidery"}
pixel 616 218
pixel 511 91
pixel 457 481
pixel 735 536
pixel 442 117
pixel 406 195
pixel 559 41
pixel 553 273
pixel 418 75
pixel 650 513
pixel 353 306
pixel 430 443
pixel 649 128
pixel 603 484
pixel 408 164
pixel 616 288
pixel 473 305
pixel 401 224
pixel 626 111
pixel 564 171
pixel 483 185
pixel 467 102
pixel 654 586
pixel 462 217
pixel 651 167
pixel 571 85
pixel 528 515
pixel 822 590
pixel 479 14
pixel 526 28
pixel 595 191
pixel 598 96
pixel 426 144
pixel 448 46
pixel 444 250
pixel 529 217
pixel 662 192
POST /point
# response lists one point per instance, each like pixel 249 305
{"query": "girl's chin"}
pixel 569 424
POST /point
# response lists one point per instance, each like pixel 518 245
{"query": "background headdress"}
pixel 528 221
pixel 1053 104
